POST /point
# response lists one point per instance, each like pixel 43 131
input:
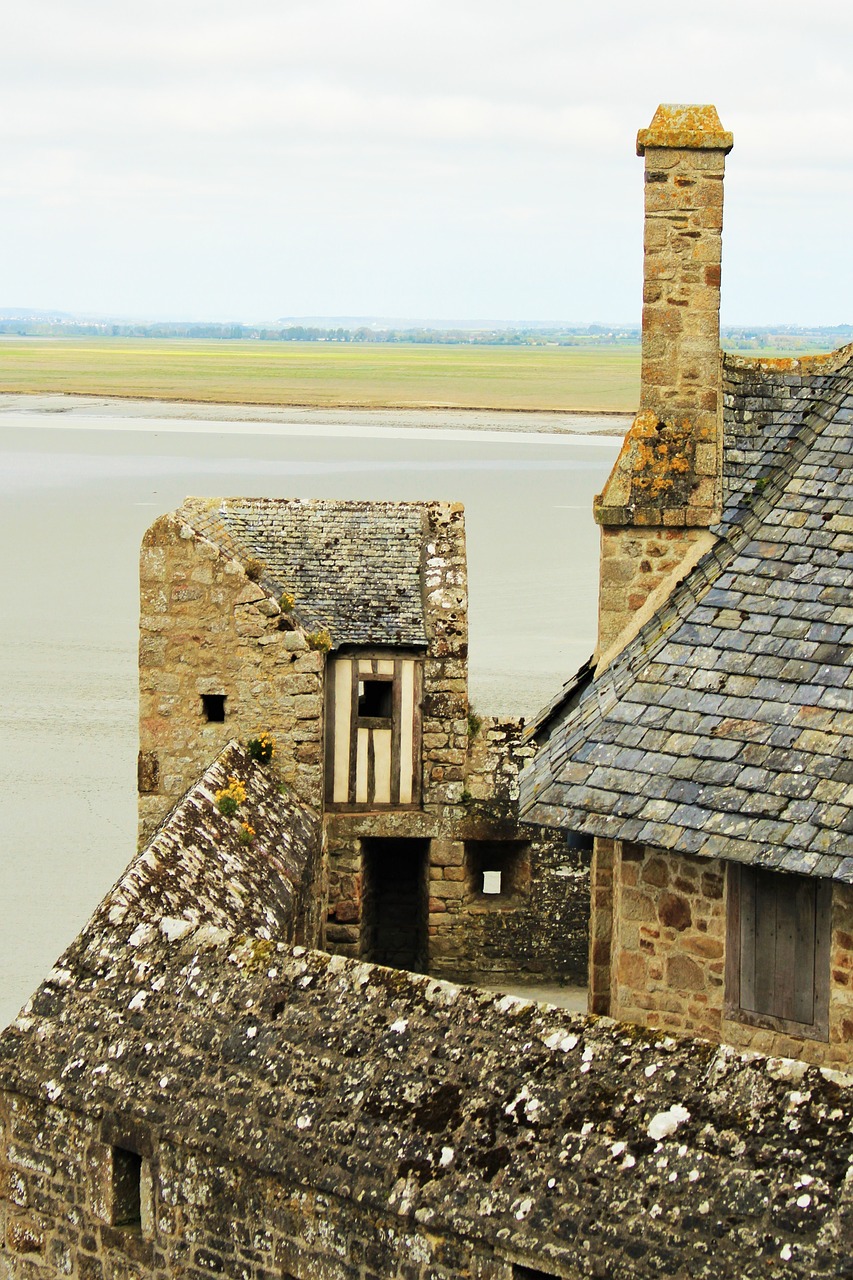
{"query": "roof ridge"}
pixel 812 365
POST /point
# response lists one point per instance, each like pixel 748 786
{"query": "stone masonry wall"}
pixel 537 927
pixel 600 925
pixel 639 565
pixel 536 930
pixel 666 486
pixel 668 956
pixel 205 628
pixel 445 690
pixel 201 1215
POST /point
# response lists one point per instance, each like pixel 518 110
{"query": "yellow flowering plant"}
pixel 229 799
pixel 261 748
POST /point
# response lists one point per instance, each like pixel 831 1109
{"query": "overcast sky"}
pixel 457 159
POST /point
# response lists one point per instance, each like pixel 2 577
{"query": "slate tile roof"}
pixel 197 869
pixel 353 567
pixel 725 728
pixel 455 1111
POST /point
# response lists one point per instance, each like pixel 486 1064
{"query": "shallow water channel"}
pixel 80 482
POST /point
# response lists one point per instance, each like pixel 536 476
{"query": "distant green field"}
pixel 326 374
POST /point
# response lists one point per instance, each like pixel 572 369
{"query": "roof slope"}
pixel 725 728
pixel 552 1137
pixel 197 869
pixel 353 567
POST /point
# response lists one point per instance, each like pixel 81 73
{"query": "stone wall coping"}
pixel 682 127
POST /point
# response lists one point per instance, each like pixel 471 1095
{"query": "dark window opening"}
pixel 528 1273
pixel 498 870
pixel 126 1180
pixel 579 840
pixel 778 941
pixel 395 901
pixel 375 699
pixel 213 706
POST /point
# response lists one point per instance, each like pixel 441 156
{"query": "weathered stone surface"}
pixel 341 1120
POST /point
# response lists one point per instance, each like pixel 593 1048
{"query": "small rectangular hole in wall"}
pixel 528 1273
pixel 375 699
pixel 213 707
pixel 498 870
pixel 125 1188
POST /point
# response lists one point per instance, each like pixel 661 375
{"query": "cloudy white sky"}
pixel 457 159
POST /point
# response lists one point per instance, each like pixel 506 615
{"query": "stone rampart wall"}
pixel 200 1215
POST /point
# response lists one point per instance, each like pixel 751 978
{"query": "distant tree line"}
pixel 591 335
pixel 734 338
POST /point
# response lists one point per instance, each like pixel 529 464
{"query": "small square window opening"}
pixel 375 699
pixel 213 707
pixel 498 870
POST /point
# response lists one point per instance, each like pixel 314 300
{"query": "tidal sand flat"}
pixel 80 484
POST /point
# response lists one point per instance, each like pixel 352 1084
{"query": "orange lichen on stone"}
pixel 685 127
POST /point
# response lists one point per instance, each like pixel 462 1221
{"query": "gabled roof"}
pixel 725 728
pixel 354 568
pixel 199 869
pixel 523 1129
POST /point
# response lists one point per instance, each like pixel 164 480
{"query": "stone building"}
pixel 340 628
pixel 196 1089
pixel 708 748
pixel 189 1095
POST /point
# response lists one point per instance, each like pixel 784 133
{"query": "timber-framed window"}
pixel 777 965
pixel 373 731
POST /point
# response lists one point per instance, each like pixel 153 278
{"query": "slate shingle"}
pixel 743 681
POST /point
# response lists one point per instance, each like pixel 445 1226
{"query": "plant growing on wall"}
pixel 320 640
pixel 261 748
pixel 254 568
pixel 286 602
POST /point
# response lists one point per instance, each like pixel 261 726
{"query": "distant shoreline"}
pixel 74 406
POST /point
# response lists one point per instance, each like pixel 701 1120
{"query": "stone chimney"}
pixel 665 489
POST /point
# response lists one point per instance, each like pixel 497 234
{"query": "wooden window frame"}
pixel 737 888
pixel 392 723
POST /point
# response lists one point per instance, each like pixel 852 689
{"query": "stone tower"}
pixel 664 491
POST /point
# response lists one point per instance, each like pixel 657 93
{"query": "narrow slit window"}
pixel 126 1188
pixel 213 707
pixel 375 699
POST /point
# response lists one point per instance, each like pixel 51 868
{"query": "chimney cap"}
pixel 692 127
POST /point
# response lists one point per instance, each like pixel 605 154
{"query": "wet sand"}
pixel 80 481
pixel 112 411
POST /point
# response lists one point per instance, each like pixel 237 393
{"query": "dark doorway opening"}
pixel 395 902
